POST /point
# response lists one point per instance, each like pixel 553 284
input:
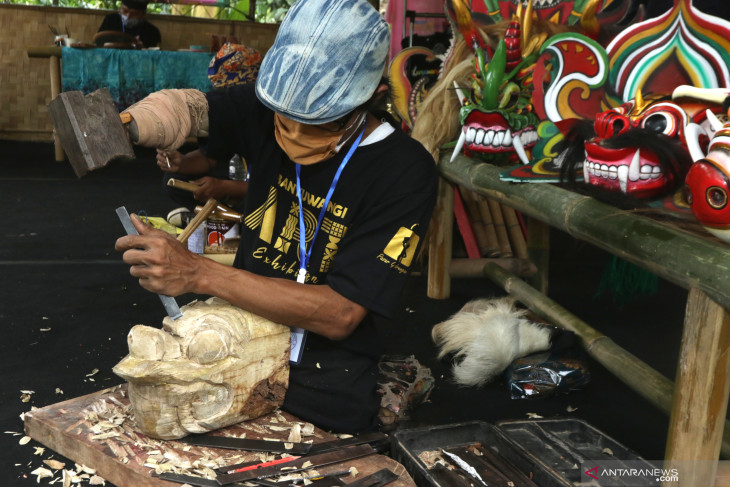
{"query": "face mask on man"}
pixel 132 22
pixel 308 144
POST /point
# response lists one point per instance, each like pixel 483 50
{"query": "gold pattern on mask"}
pixel 402 247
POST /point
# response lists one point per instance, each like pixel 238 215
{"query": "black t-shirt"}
pixel 376 220
pixel 147 33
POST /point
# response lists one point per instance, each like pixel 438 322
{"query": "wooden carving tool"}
pixel 199 218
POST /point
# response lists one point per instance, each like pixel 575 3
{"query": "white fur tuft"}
pixel 485 336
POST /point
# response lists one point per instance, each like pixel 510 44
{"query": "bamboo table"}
pixel 698 401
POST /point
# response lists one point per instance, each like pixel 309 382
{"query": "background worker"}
pixel 215 179
pixel 132 20
pixel 338 204
pixel 225 181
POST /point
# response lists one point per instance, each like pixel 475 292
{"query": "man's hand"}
pixel 161 263
pixel 209 187
pixel 169 161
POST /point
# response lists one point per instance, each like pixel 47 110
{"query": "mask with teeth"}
pixel 215 366
pixel 640 148
pixel 497 118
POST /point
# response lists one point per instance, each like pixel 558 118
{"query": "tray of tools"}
pixel 561 446
pixel 466 454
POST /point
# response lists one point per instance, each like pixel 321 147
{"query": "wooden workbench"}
pixel 80 430
pixel 698 401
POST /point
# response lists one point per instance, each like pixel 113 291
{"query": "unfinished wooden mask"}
pixel 215 366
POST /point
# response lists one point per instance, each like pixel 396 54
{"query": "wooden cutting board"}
pixel 97 431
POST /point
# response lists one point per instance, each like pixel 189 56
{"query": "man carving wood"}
pixel 338 203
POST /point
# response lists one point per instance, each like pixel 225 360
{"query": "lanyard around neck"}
pixel 304 255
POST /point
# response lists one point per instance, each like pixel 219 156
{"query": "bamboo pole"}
pixel 440 243
pixel 641 378
pixel 673 254
pixel 703 384
pixel 514 230
pixel 493 247
pixel 474 267
pixel 505 249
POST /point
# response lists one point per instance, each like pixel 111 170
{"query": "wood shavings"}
pixel 14 433
pixel 55 464
pixel 104 436
pixel 45 329
pixel 534 416
pixel 84 469
pixel 308 429
pixel 295 434
pixel 288 445
pixel 96 480
pixel 42 473
pixel 59 391
pixel 354 472
pixel 24 440
pixel 67 477
pixel 39 450
pixel 92 373
pixel 279 428
pixel 607 451
pixel 307 464
pixel 571 409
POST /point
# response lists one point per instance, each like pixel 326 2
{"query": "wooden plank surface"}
pixel 97 431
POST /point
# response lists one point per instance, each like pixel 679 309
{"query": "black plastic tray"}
pixel 407 444
pixel 561 446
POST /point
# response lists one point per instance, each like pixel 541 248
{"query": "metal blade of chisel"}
pixel 379 441
pixel 247 444
pixel 173 310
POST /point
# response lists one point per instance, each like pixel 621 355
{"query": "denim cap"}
pixel 327 59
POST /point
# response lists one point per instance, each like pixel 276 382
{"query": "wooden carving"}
pixel 215 366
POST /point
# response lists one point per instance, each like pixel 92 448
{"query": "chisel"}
pixel 173 310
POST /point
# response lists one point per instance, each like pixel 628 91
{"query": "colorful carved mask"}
pixel 707 184
pixel 497 116
pixel 638 148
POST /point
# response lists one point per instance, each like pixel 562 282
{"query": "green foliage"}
pixel 272 11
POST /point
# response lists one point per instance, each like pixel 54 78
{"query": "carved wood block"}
pixel 215 366
pixel 89 129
